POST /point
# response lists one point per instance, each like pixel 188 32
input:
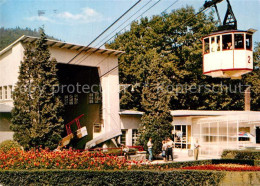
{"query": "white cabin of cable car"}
pixel 228 54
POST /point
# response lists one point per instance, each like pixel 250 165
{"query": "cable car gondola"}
pixel 227 53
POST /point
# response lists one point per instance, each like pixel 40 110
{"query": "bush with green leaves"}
pixel 9 144
pixel 241 154
pixel 83 177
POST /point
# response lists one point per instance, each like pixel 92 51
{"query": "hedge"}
pixel 180 164
pixel 241 154
pixel 80 177
pixel 204 162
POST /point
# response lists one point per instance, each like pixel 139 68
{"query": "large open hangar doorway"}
pixel 80 92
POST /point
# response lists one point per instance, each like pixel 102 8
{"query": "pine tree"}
pixel 156 121
pixel 44 123
pixel 21 119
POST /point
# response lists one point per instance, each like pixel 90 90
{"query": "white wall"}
pixel 128 123
pixel 9 68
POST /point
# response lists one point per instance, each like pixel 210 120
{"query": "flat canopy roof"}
pixel 5 108
pixel 64 45
pixel 185 113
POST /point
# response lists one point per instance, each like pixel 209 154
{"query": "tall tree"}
pixel 156 121
pixel 253 79
pixel 44 123
pixel 181 47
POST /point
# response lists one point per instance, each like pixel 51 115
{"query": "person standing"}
pixel 150 147
pixel 164 148
pixel 196 150
pixel 170 145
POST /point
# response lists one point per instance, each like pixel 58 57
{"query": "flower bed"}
pixel 65 159
pixel 224 167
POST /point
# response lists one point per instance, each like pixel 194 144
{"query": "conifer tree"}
pixel 44 123
pixel 156 121
pixel 21 118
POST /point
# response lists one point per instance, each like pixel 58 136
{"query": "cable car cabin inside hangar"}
pixel 227 53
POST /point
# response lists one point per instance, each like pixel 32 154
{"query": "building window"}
pixel 66 100
pixel 70 99
pixel 76 99
pixel 10 92
pixel 97 127
pixel 5 92
pixel 1 93
pixel 94 98
pixel 123 137
pixel 91 98
pixel 134 136
pixel 97 98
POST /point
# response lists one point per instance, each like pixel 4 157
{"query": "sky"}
pixel 80 21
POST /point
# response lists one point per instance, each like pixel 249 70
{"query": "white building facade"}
pixel 103 61
pixel 215 130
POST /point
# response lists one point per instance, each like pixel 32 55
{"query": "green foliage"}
pixel 241 154
pixel 253 79
pixel 77 177
pixel 37 110
pixel 9 144
pixel 156 120
pixel 9 35
pixel 180 49
pixel 119 152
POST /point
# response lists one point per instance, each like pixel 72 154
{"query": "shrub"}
pixel 241 154
pixel 8 145
pixel 81 177
pixel 119 152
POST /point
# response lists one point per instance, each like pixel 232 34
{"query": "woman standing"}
pixel 164 148
pixel 150 147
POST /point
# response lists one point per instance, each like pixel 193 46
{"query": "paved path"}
pixel 181 156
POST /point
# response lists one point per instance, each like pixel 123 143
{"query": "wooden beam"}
pixel 79 48
pixel 51 45
pixel 71 46
pixel 62 45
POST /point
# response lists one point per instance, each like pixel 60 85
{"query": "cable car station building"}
pixel 106 124
pixel 87 73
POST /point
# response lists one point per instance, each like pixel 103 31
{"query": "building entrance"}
pixel 257 134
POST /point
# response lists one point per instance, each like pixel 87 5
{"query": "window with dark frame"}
pixel 97 98
pixel 97 127
pixel 227 42
pixel 71 99
pixel 91 98
pixel 66 100
pixel 218 43
pixel 1 93
pixel 10 91
pixel 206 46
pixel 239 41
pixel 5 92
pixel 123 137
pixel 76 99
pixel 248 42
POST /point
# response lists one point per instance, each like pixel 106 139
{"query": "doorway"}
pixel 257 134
